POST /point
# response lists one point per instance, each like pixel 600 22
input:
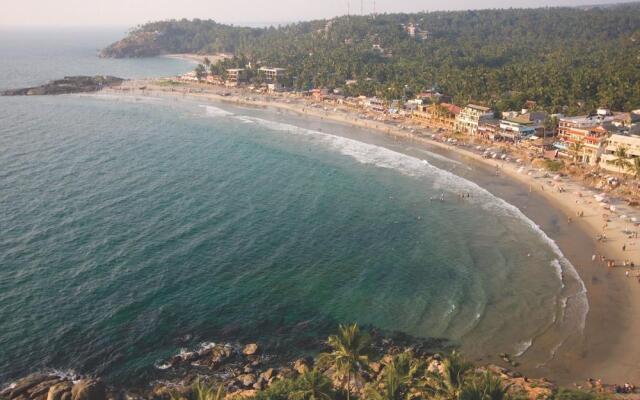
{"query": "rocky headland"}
pixel 137 44
pixel 67 85
pixel 248 371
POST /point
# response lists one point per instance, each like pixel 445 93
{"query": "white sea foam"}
pixel 522 347
pixel 558 267
pixel 215 111
pixel 446 181
pixel 439 157
pixel 162 366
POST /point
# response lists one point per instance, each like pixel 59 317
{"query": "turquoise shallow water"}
pixel 129 224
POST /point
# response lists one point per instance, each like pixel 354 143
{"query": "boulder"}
pixel 216 356
pixel 260 384
pixel 250 349
pixel 23 385
pixel 40 390
pixel 89 389
pixel 267 375
pixel 247 380
pixel 301 366
pixel 56 391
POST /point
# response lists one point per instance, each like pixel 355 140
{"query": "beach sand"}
pixel 607 348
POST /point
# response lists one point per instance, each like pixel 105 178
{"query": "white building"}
pixel 630 143
pixel 272 75
pixel 468 120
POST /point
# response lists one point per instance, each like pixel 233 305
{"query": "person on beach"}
pixel 624 247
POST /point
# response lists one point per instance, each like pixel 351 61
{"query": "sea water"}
pixel 132 227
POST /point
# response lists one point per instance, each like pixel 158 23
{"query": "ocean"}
pixel 133 227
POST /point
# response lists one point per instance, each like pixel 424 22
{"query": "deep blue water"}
pixel 128 223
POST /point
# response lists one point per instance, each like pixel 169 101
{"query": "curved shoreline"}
pixel 607 349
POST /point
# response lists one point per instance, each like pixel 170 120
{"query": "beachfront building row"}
pixel 594 139
pixel 582 138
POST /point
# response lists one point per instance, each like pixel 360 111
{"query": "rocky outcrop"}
pixel 243 370
pixel 67 85
pixel 89 389
pixel 250 349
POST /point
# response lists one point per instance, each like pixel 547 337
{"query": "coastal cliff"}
pixel 67 85
pixel 137 44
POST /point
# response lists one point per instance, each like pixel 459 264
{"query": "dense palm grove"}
pixel 566 59
pixel 346 372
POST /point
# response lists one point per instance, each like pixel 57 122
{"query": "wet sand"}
pixel 606 349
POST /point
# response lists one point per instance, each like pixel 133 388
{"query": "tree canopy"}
pixel 566 59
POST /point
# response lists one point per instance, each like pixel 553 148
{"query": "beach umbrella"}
pixel 612 208
pixel 634 219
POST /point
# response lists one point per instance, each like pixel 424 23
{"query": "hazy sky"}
pixel 132 12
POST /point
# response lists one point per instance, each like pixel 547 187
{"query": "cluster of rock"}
pixel 243 371
pixel 67 85
pixel 54 387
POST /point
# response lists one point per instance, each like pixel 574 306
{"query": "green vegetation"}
pixel 349 353
pixel 620 159
pixel 568 60
pixel 553 165
pixel 312 385
pixel 399 376
pixel 568 394
pixel 202 391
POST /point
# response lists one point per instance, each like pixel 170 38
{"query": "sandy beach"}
pixel 607 348
pixel 196 58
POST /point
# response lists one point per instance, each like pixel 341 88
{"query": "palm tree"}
pixel 398 376
pixel 634 167
pixel 313 386
pixel 485 387
pixel 449 383
pixel 349 352
pixel 575 149
pixel 620 159
pixel 202 391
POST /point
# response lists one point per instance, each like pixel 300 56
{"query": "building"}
pixel 433 96
pixel 441 115
pixel 582 138
pixel 630 143
pixel 235 76
pixel 189 77
pixel 411 30
pixel 517 126
pixel 470 117
pixel 272 75
pixel 375 104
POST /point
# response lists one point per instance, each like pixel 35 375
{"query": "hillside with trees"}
pixel 566 59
